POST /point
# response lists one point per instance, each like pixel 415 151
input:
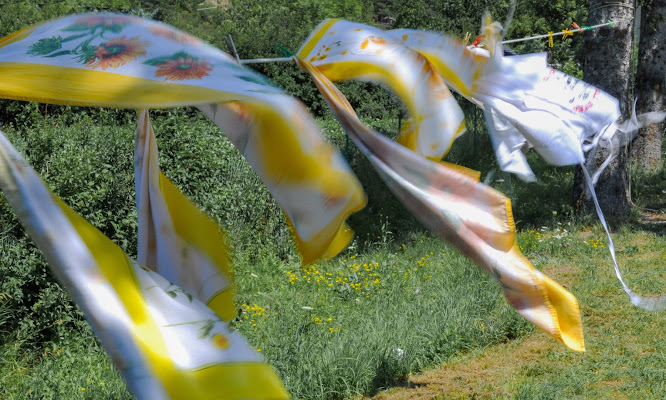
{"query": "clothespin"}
pixel 565 33
pixel 550 39
pixel 577 28
pixel 466 38
pixel 611 23
pixel 476 41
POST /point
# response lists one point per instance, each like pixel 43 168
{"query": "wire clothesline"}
pixel 548 35
pixel 566 32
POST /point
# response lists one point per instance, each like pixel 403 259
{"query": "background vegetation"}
pixel 340 328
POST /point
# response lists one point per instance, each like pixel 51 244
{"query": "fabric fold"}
pixel 116 60
pixel 441 198
pixel 555 113
pixel 175 238
pixel 344 50
pixel 165 343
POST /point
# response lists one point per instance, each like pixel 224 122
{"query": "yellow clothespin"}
pixel 550 39
pixel 612 24
pixel 566 32
pixel 466 39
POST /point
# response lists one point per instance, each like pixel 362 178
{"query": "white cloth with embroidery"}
pixel 560 116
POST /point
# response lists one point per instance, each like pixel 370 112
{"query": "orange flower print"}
pixel 174 35
pixel 117 52
pixel 182 68
pixel 221 341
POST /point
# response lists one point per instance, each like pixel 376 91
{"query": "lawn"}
pixel 366 321
pixel 625 358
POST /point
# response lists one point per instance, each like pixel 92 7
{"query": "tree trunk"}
pixel 606 64
pixel 651 82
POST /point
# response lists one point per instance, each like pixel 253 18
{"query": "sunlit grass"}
pixel 625 357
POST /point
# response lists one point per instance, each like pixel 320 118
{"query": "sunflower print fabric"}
pixel 166 344
pixel 168 336
pixel 115 60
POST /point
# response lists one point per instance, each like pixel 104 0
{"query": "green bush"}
pixel 90 168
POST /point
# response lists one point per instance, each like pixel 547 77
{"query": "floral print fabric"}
pixel 160 332
pixel 468 214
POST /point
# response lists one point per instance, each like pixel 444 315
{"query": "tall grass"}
pixel 364 321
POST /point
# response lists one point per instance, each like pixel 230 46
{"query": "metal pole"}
pixel 265 60
pixel 232 47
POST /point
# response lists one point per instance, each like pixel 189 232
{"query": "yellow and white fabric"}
pixel 161 335
pixel 167 344
pixel 527 103
pixel 343 50
pixel 176 239
pixel 115 60
pixel 468 214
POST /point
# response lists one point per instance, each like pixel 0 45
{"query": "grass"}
pixel 366 321
pixel 72 368
pixel 625 358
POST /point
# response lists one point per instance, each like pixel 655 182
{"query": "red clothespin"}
pixel 476 41
pixel 565 33
pixel 577 28
pixel 550 39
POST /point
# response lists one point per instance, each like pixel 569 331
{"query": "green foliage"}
pixel 73 366
pixel 90 168
pixel 538 18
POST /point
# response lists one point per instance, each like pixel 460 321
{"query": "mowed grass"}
pixel 626 353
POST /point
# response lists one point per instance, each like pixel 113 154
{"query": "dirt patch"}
pixel 653 219
pixel 477 375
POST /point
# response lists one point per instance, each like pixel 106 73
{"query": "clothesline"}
pixel 566 32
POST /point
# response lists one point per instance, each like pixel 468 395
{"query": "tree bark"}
pixel 651 82
pixel 607 64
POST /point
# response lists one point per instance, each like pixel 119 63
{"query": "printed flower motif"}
pixel 182 68
pixel 45 46
pixel 221 341
pixel 174 35
pixel 117 52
